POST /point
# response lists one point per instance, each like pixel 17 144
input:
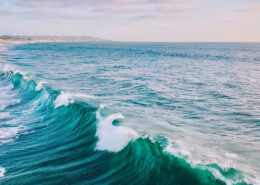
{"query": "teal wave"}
pixel 59 147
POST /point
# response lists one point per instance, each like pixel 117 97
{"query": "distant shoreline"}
pixel 22 41
pixel 7 38
pixel 36 40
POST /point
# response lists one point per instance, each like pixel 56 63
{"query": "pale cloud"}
pixel 87 9
pixel 113 5
pixel 70 3
pixel 252 10
pixel 154 20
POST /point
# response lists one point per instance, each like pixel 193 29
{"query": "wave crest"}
pixel 112 138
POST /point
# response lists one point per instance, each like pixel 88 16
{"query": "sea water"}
pixel 130 113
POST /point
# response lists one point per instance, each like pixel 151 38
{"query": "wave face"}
pixel 104 129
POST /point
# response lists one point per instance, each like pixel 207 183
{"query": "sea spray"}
pixel 2 171
pixel 112 138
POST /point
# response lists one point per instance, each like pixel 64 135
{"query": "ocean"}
pixel 129 113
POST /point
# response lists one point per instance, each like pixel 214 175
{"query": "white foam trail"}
pixel 178 152
pixel 4 115
pixel 2 171
pixel 7 96
pixel 62 99
pixel 102 106
pixel 186 148
pixel 39 85
pixel 8 68
pixel 6 103
pixel 6 88
pixel 231 155
pixel 218 175
pixel 115 116
pixel 8 134
pixel 67 98
pixel 82 95
pixel 112 138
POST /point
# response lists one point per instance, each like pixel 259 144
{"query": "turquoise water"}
pixel 130 113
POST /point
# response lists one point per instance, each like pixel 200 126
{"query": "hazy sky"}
pixel 134 20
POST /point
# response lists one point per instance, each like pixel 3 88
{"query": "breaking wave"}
pixel 52 137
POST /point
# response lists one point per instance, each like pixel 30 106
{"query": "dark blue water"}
pixel 130 113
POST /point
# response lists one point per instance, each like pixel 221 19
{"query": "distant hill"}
pixel 9 38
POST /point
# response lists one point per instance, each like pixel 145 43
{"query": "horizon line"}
pixel 139 41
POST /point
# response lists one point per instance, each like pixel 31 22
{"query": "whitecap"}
pixel 8 68
pixel 39 85
pixel 4 115
pixel 63 99
pixel 112 138
pixel 8 134
pixel 2 171
pixel 67 98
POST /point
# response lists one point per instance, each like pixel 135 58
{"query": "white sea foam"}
pixel 8 102
pixel 231 155
pixel 82 95
pixel 112 138
pixel 40 85
pixel 2 172
pixel 63 99
pixel 218 175
pixel 4 115
pixel 8 68
pixel 8 134
pixel 178 152
pixel 212 157
pixel 6 88
pixel 7 96
pixel 6 99
pixel 67 98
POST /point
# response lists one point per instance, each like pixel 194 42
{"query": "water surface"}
pixel 130 113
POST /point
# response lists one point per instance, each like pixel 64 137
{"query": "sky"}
pixel 135 20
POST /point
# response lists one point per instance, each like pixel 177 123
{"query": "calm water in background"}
pixel 130 113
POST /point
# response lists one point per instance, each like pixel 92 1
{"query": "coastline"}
pixel 24 39
pixel 39 40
